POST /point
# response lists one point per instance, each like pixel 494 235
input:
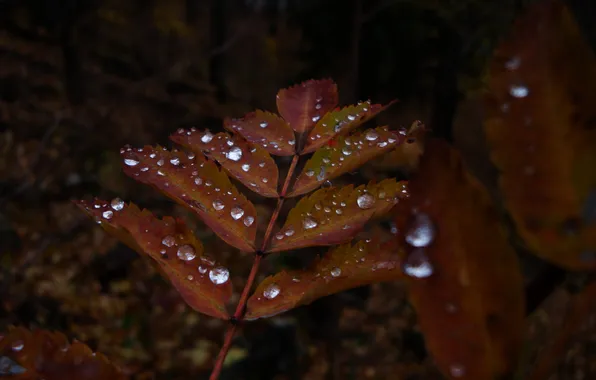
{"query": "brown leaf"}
pixel 250 164
pixel 540 125
pixel 344 267
pixel 334 215
pixel 304 104
pixel 40 354
pixel 197 183
pixel 265 129
pixel 343 155
pixel 171 244
pixel 464 278
pixel 341 122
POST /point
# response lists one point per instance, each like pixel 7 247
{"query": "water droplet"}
pixel 279 236
pixel 219 275
pixel 160 162
pixel 365 201
pixel 18 345
pixel 218 205
pixel 457 370
pixel 117 204
pixel 421 231
pixel 289 232
pixel 519 91
pixel 261 164
pixel 236 213
pixel 248 221
pixel 371 135
pixel 417 264
pixel 351 117
pixel 190 277
pixel 131 162
pixel 309 223
pixel 198 181
pixel 513 63
pixel 234 154
pixel 264 180
pixel 207 137
pixel 315 118
pixel 107 214
pixel 186 252
pixel 168 241
pixel 271 291
pixel 245 167
pixel 346 151
pixel 263 124
pixel 175 161
pixel 310 173
pixel 202 269
pixel 336 272
pixel 291 142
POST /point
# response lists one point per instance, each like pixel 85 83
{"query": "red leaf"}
pixel 341 122
pixel 198 184
pixel 40 354
pixel 334 215
pixel 344 267
pixel 304 104
pixel 251 165
pixel 464 278
pixel 171 244
pixel 267 130
pixel 350 153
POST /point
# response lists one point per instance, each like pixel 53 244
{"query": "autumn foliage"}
pixel 449 242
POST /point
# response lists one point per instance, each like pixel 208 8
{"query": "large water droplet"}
pixel 107 214
pixel 186 252
pixel 131 162
pixel 248 221
pixel 236 213
pixel 421 231
pixel 218 205
pixel 417 264
pixel 371 135
pixel 289 232
pixel 219 275
pixel 175 161
pixel 365 201
pixel 234 154
pixel 336 272
pixel 271 291
pixel 519 91
pixel 309 223
pixel 168 241
pixel 117 204
pixel 207 137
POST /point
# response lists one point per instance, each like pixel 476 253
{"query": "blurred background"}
pixel 80 79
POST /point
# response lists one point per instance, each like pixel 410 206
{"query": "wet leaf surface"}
pixel 250 164
pixel 200 185
pixel 344 267
pixel 464 278
pixel 334 215
pixel 171 244
pixel 541 126
pixel 40 354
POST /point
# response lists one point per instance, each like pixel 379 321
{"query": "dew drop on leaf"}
pixel 219 275
pixel 168 241
pixel 246 167
pixel 271 291
pixel 519 91
pixel 18 345
pixel 218 205
pixel 248 221
pixel 131 162
pixel 117 204
pixel 175 161
pixel 198 181
pixel 186 252
pixel 234 154
pixel 207 137
pixel 457 370
pixel 417 264
pixel 310 173
pixel 309 223
pixel 371 135
pixel 336 272
pixel 365 201
pixel 202 269
pixel 421 231
pixel 107 214
pixel 289 232
pixel 236 213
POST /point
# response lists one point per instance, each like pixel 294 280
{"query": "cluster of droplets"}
pixel 334 122
pixel 420 233
pixel 108 210
pixel 269 144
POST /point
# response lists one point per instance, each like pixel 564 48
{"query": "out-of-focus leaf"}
pixel 251 165
pixel 304 104
pixel 344 267
pixel 197 183
pixel 40 354
pixel 541 126
pixel 464 278
pixel 341 122
pixel 171 244
pixel 343 155
pixel 406 156
pixel 265 129
pixel 334 215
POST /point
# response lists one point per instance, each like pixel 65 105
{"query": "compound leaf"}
pixel 266 130
pixel 343 155
pixel 343 267
pixel 41 354
pixel 304 104
pixel 171 244
pixel 334 215
pixel 540 125
pixel 464 278
pixel 251 165
pixel 197 183
pixel 341 122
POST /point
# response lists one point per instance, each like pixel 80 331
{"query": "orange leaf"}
pixel 198 184
pixel 540 126
pixel 341 122
pixel 334 215
pixel 265 129
pixel 347 154
pixel 344 267
pixel 464 278
pixel 171 244
pixel 40 354
pixel 251 165
pixel 304 104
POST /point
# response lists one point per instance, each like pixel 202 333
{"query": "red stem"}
pixel 241 307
